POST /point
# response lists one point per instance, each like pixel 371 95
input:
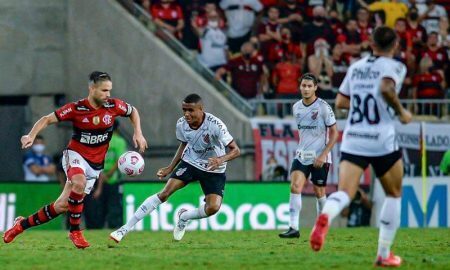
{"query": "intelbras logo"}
pixel 7 210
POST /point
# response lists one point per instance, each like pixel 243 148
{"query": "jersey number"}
pixel 366 108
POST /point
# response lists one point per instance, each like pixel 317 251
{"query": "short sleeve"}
pixel 257 6
pixel 344 89
pixel 223 135
pixel 66 112
pixel 179 131
pixel 396 72
pixel 330 119
pixel 122 108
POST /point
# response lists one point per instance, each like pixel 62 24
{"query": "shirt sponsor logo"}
pixel 180 171
pixel 66 111
pixel 365 74
pixel 93 139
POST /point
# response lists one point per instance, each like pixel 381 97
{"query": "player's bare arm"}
pixel 390 96
pixel 163 172
pixel 332 139
pixel 234 152
pixel 27 140
pixel 342 102
pixel 138 138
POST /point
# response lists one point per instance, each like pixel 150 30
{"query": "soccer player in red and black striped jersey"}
pixel 92 119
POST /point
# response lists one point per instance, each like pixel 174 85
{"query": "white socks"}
pixel 196 213
pixel 389 223
pixel 295 205
pixel 335 203
pixel 320 204
pixel 145 208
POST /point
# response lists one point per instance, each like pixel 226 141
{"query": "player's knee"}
pixel 163 196
pixel 396 193
pixel 212 209
pixel 296 188
pixel 78 183
pixel 61 206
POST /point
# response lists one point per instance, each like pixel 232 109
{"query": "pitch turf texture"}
pixel 344 249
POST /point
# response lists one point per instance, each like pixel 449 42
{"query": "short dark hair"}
pixel 309 77
pixel 192 98
pixel 99 76
pixel 384 38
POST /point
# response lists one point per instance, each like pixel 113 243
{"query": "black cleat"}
pixel 291 233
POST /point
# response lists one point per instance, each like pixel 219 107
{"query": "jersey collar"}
pixel 311 102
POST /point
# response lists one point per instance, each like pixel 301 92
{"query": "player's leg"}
pixel 391 180
pixel 299 174
pixel 42 216
pixel 147 207
pixel 350 170
pixel 213 186
pixel 319 178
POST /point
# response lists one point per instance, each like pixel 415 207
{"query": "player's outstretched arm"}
pixel 27 140
pixel 163 172
pixel 234 152
pixel 138 138
pixel 390 96
pixel 342 102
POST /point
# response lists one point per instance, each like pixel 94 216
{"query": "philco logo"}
pixel 96 120
pixel 7 210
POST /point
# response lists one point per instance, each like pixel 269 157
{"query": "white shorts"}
pixel 73 159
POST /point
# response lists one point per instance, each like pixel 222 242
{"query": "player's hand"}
pixel 163 172
pixel 26 141
pixel 405 117
pixel 214 163
pixel 140 142
pixel 319 161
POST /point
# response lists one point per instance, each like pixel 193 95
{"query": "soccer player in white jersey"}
pixel 317 135
pixel 201 156
pixel 370 91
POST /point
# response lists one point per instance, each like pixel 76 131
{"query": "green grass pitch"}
pixel 344 249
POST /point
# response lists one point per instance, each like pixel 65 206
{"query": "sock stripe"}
pixel 75 209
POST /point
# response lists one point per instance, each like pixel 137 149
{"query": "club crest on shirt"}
pixel 314 114
pixel 206 139
pixel 96 120
pixel 107 119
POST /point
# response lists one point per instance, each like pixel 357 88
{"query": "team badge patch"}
pixel 206 139
pixel 107 119
pixel 180 171
pixel 314 115
pixel 96 120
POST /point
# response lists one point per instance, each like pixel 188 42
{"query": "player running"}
pixel 201 156
pixel 370 90
pixel 318 134
pixel 92 119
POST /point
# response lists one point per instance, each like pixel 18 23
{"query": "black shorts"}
pixel 380 164
pixel 318 175
pixel 211 183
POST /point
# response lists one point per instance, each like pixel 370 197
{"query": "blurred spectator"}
pixel 321 65
pixel 168 15
pixel 240 16
pixel 444 33
pixel 105 204
pixel 365 27
pixel 435 52
pixel 445 163
pixel 200 20
pixel 38 166
pixel 415 29
pixel 350 39
pixel 335 23
pixel 287 45
pixel 248 72
pixel 430 19
pixel 192 9
pixel 269 36
pixel 341 62
pixel 405 44
pixel 213 43
pixel 428 84
pixel 392 9
pixel 319 28
pixel 291 15
pixel 274 171
pixel 285 77
pixel 359 211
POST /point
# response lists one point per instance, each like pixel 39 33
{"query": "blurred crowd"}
pixel 261 47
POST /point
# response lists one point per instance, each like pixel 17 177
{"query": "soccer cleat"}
pixel 14 231
pixel 391 261
pixel 319 232
pixel 118 234
pixel 78 239
pixel 291 233
pixel 180 228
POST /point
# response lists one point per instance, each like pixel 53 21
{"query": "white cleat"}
pixel 118 234
pixel 180 228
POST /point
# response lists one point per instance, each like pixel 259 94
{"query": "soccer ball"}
pixel 131 163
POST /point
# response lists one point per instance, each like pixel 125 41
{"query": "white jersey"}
pixel 370 127
pixel 208 141
pixel 312 121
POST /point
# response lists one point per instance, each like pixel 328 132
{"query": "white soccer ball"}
pixel 131 163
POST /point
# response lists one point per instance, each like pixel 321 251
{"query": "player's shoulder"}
pixel 298 104
pixel 393 65
pixel 112 103
pixel 181 121
pixel 214 121
pixel 322 103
